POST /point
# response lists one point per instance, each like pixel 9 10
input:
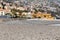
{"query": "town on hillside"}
pixel 41 9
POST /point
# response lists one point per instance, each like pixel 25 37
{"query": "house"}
pixel 21 8
pixel 43 15
pixel 1 6
pixel 52 9
pixel 27 14
pixel 2 12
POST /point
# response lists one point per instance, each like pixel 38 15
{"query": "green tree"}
pixel 14 13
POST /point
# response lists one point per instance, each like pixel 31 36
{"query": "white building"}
pixel 20 8
pixel 52 9
pixel 2 12
pixel 28 14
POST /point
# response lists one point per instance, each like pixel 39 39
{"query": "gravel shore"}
pixel 29 30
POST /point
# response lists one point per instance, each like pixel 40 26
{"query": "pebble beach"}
pixel 30 30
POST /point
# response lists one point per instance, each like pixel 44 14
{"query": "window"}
pixel 44 15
